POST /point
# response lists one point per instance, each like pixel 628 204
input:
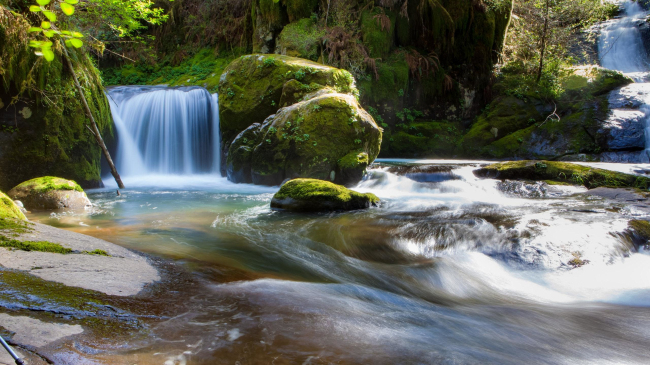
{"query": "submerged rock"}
pixel 312 195
pixel 328 137
pixel 9 209
pixel 50 193
pixel 563 172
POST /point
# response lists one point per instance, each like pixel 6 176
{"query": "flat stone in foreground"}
pixel 122 273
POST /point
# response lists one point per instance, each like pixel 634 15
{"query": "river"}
pixel 449 269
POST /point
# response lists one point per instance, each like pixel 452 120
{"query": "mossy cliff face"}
pixel 521 125
pixel 50 192
pixel 9 209
pixel 328 137
pixel 251 88
pixel 312 195
pixel 43 132
pixel 563 172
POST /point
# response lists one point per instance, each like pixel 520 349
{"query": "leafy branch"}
pixel 49 30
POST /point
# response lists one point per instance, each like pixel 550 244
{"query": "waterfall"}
pixel 164 130
pixel 621 48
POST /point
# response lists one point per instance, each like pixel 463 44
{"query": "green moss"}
pixel 204 69
pixel 97 252
pixel 393 76
pixel 14 226
pixel 641 228
pixel 377 28
pixel 313 189
pixel 251 87
pixel 301 39
pixel 563 172
pixel 48 183
pixel 9 210
pixel 41 246
pixel 53 140
pixel 353 160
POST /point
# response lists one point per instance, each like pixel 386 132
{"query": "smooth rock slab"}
pixel 122 273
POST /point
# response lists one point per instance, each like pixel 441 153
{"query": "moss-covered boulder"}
pixel 300 39
pixel 50 192
pixel 42 120
pixel 251 87
pixel 328 136
pixel 9 209
pixel 312 195
pixel 563 172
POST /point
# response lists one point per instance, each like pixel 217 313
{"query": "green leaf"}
pixel 35 44
pixel 43 2
pixel 34 9
pixel 46 25
pixel 76 43
pixel 49 33
pixel 66 32
pixel 35 29
pixel 77 35
pixel 67 8
pixel 48 54
pixel 50 15
pixel 72 2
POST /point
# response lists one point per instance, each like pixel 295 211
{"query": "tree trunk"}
pixel 93 125
pixel 543 44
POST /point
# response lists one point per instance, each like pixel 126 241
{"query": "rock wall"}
pixel 42 121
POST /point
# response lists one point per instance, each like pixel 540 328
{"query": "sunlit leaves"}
pixel 48 29
pixel 76 43
pixel 67 9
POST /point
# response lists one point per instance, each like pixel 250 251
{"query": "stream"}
pixel 449 269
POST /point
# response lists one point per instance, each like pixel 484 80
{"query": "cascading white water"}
pixel 165 130
pixel 620 47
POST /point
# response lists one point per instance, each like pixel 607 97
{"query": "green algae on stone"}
pixel 565 172
pixel 9 209
pixel 313 195
pixel 251 87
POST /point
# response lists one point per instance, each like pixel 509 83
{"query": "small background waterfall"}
pixel 165 131
pixel 621 48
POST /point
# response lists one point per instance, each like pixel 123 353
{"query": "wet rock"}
pixel 50 193
pixel 562 172
pixel 312 195
pixel 625 126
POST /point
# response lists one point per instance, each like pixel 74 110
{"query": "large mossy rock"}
pixel 563 172
pixel 9 209
pixel 50 192
pixel 328 136
pixel 523 125
pixel 44 131
pixel 251 87
pixel 312 195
